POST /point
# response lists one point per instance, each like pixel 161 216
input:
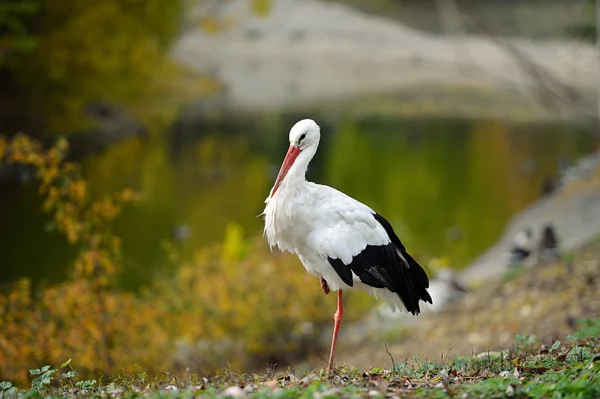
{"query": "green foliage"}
pixel 7 389
pixel 524 342
pixel 15 32
pixel 79 51
pixel 579 381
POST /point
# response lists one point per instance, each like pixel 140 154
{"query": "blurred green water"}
pixel 448 186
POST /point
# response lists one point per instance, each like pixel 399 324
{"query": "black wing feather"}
pixel 388 266
pixel 342 270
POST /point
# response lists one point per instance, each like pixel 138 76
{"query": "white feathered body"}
pixel 317 222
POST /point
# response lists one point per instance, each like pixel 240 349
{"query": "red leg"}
pixel 324 286
pixel 337 320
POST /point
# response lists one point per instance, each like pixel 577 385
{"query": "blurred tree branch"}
pixel 547 89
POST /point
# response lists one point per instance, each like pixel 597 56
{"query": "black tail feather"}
pixel 413 285
pixel 412 282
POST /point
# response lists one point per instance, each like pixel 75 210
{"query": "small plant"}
pixel 525 342
pixel 7 390
pixel 85 384
pixel 43 377
pixel 555 346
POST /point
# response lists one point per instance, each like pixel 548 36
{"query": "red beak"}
pixel 290 157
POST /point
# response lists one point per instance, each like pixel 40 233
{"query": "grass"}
pixel 569 368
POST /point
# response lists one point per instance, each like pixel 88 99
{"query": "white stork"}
pixel 338 239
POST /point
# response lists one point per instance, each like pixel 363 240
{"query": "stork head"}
pixel 304 134
pixel 304 140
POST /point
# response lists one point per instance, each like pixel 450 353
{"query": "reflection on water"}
pixel 448 186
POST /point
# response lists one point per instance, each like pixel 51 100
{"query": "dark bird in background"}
pixel 548 245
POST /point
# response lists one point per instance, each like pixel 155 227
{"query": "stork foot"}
pixel 325 286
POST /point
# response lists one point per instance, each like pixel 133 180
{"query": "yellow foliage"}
pixel 233 243
pixel 81 319
pixel 83 221
pixel 81 316
pixel 236 296
pixel 259 300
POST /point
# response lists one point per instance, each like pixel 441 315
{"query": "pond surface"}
pixel 447 186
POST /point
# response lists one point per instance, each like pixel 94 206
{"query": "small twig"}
pixel 543 78
pixel 390 355
pixel 444 358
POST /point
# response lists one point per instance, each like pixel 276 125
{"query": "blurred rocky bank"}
pixel 314 54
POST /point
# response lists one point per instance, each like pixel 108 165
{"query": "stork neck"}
pixel 296 177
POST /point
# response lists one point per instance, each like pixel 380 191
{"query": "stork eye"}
pixel 301 137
